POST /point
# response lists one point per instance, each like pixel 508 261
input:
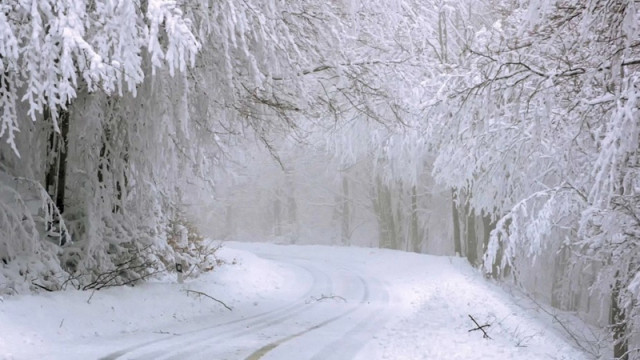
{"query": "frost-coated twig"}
pixel 203 253
pixel 200 293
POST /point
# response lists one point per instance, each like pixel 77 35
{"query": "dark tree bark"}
pixel 618 323
pixel 62 169
pixel 56 173
pixel 106 171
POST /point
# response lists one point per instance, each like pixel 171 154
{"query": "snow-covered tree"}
pixel 127 102
pixel 539 125
pixel 69 70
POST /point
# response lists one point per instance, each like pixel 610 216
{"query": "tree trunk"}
pixel 292 228
pixel 383 207
pixel 487 227
pixel 277 215
pixel 472 240
pixel 110 175
pixel 618 322
pixel 292 216
pixel 416 241
pixel 559 266
pixel 456 223
pixel 62 169
pixel 230 229
pixel 346 212
pixel 56 174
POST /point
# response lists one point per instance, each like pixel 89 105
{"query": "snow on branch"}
pixel 181 46
pixel 527 225
pixel 52 49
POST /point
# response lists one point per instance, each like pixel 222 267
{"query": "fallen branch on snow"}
pixel 42 287
pixel 200 293
pixel 325 297
pixel 165 333
pixel 480 327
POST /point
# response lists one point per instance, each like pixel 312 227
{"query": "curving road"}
pixel 332 318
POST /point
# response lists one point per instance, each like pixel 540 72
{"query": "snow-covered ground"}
pixel 289 302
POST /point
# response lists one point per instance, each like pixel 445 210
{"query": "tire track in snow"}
pixel 321 282
pixel 303 307
pixel 350 343
pixel 256 355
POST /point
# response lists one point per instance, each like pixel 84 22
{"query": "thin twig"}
pixel 165 333
pixel 210 297
pixel 91 296
pixel 42 287
pixel 480 327
pixel 326 297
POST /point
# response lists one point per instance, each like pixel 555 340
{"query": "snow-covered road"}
pixel 289 302
pixel 331 315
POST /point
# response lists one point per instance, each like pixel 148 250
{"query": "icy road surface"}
pixel 289 302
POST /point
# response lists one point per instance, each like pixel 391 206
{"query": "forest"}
pixel 502 131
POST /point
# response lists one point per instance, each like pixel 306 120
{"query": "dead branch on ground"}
pixel 200 293
pixel 325 297
pixel 480 327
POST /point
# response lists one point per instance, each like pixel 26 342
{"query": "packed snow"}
pixel 290 302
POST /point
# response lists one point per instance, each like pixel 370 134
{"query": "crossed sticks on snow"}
pixel 480 327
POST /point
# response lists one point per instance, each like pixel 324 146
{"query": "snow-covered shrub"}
pixel 28 250
pixel 190 248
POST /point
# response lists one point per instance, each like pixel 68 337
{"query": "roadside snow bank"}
pixel 52 325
